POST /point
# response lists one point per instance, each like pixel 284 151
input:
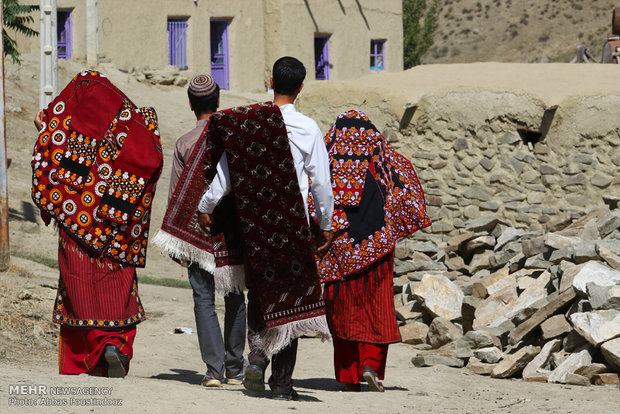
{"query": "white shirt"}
pixel 311 161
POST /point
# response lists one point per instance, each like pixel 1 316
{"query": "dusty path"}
pixel 167 369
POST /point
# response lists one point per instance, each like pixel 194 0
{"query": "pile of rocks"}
pixel 168 75
pixel 541 305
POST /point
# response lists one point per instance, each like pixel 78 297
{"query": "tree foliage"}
pixel 16 17
pixel 419 25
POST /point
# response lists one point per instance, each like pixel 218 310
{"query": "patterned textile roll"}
pixel 94 168
pixel 378 197
pixel 275 237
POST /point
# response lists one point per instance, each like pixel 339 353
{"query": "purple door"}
pixel 177 43
pixel 321 57
pixel 63 33
pixel 219 52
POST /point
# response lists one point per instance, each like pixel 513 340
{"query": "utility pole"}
pixel 49 53
pixel 92 33
pixel 5 253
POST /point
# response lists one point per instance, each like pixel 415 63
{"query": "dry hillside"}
pixel 519 30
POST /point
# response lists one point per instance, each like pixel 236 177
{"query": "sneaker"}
pixel 210 381
pixel 254 378
pixel 236 380
pixel 116 361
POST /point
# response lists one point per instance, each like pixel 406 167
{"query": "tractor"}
pixel 611 48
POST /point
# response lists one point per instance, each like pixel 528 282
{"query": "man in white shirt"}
pixel 311 162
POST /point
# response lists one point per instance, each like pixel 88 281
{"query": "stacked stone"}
pixel 542 305
pixel 169 75
pixel 477 154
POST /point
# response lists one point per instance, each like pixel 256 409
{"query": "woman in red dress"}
pixel 378 199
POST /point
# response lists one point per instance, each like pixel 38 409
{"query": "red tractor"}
pixel 611 48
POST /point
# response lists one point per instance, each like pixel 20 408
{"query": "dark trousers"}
pixel 222 355
pixel 282 363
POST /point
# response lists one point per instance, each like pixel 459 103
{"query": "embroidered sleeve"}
pixel 138 160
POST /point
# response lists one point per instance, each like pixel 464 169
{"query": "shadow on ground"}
pixel 330 384
pixel 181 375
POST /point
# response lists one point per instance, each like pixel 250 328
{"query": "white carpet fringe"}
pixel 229 279
pixel 272 340
pixel 182 250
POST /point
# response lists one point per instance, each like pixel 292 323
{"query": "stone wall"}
pixel 472 160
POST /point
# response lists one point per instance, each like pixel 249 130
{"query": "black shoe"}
pixel 254 378
pixel 291 396
pixel 116 362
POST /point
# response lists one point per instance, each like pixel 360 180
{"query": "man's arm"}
pixel 175 172
pixel 317 167
pixel 220 186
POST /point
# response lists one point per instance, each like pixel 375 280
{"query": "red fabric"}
pixel 100 187
pixel 361 307
pixel 94 292
pixel 97 108
pixel 350 358
pixel 80 349
pixel 378 197
pixel 181 218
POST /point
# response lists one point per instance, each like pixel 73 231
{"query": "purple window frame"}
pixel 377 53
pixel 321 57
pixel 177 42
pixel 64 33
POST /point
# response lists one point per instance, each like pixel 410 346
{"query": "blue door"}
pixel 321 57
pixel 219 53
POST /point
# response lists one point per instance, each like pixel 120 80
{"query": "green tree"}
pixel 16 17
pixel 419 25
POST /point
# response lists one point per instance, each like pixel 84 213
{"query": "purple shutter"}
pixel 377 54
pixel 321 57
pixel 63 32
pixel 177 43
pixel 219 53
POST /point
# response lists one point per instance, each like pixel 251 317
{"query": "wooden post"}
pixel 4 200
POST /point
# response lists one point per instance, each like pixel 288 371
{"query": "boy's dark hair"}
pixel 288 75
pixel 204 104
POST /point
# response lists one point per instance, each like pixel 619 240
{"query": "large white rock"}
pixel 493 308
pixel 440 296
pixel 536 365
pixel 490 355
pixel 604 297
pixel 597 326
pixel 611 353
pixel 595 272
pixel 514 363
pixel 527 299
pixel 414 333
pixel 570 365
pixel 557 241
pixel 493 283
